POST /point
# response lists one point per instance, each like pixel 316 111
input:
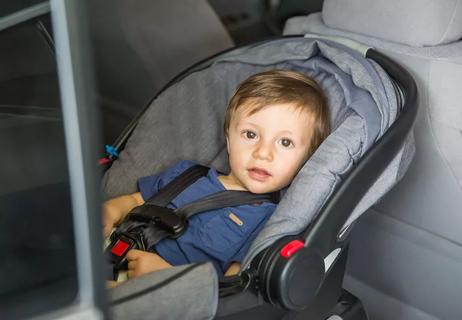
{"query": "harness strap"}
pixel 175 220
pixel 177 185
pixel 222 199
pixel 158 222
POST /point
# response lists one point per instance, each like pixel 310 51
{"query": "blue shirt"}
pixel 221 236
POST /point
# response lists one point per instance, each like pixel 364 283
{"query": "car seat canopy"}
pixel 186 122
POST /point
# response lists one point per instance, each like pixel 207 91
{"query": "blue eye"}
pixel 286 143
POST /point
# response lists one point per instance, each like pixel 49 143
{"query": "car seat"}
pixel 295 266
pixel 407 249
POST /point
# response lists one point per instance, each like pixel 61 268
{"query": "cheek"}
pixel 237 146
pixel 235 154
pixel 289 173
pixel 291 163
pixel 232 149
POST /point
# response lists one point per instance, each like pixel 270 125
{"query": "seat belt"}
pixel 163 197
pixel 152 222
pixel 170 223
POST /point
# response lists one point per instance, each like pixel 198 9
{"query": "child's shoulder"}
pixel 182 165
pixel 178 168
pixel 264 208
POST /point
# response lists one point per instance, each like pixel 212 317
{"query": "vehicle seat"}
pixel 139 46
pixel 406 252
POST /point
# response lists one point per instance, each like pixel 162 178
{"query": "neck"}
pixel 230 183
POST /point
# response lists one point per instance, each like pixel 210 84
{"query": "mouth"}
pixel 259 174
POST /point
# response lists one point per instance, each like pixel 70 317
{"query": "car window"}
pixel 10 7
pixel 37 247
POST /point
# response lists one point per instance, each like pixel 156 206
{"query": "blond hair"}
pixel 282 87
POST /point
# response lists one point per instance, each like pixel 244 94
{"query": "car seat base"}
pixel 348 307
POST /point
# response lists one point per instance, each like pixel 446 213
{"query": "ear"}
pixel 227 142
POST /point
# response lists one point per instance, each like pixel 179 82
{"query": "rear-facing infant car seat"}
pixel 406 253
pixel 295 266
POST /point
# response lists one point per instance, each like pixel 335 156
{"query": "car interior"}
pixel 89 80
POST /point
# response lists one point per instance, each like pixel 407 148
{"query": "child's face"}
pixel 266 149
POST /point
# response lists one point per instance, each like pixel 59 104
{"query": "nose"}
pixel 263 151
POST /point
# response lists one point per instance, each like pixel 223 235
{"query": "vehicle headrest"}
pixel 413 22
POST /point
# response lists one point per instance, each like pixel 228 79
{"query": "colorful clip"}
pixel 104 161
pixel 112 151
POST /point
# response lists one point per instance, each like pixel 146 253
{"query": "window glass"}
pixel 9 7
pixel 38 263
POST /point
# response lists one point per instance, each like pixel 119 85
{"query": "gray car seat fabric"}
pixel 139 46
pixel 186 121
pixel 406 253
pixel 182 287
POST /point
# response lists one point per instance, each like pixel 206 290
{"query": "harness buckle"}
pixel 163 217
pixel 120 244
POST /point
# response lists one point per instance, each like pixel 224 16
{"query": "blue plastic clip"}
pixel 110 150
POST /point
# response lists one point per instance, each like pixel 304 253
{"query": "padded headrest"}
pixel 413 22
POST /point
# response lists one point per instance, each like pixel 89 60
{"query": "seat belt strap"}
pixel 177 185
pixel 222 199
pixel 176 219
pixel 163 224
pixel 167 223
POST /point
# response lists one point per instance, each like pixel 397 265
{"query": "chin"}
pixel 260 189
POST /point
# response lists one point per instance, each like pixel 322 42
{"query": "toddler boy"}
pixel 273 124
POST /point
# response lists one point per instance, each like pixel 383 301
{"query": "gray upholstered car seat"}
pixel 406 252
pixel 186 120
pixel 140 45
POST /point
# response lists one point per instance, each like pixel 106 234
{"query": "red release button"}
pixel 119 248
pixel 292 247
pixel 103 161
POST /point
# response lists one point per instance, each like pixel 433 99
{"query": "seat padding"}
pixel 168 294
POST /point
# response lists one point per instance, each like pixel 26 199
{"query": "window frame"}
pixel 82 139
